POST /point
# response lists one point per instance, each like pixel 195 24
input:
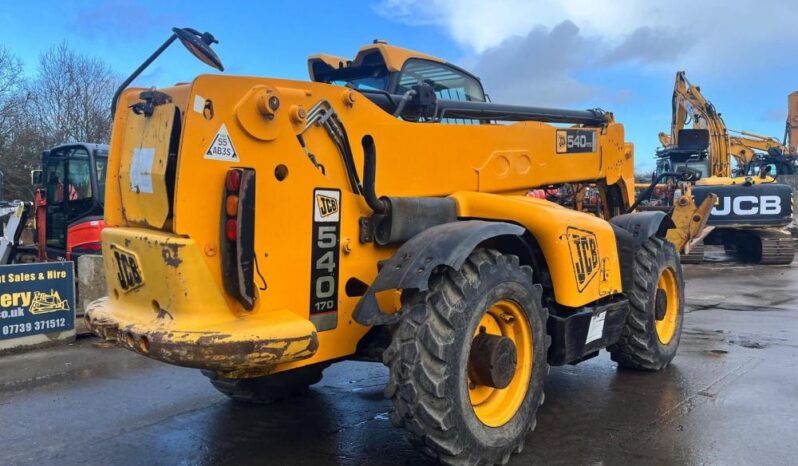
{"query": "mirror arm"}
pixel 138 71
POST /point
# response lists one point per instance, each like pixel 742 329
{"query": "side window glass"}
pixel 449 83
pixel 102 164
pixel 54 181
pixel 79 176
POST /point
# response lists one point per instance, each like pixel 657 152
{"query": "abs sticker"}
pixel 222 147
pixel 324 258
pixel 576 141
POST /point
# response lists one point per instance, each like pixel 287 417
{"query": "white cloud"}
pixel 536 50
pixel 724 34
pixel 483 24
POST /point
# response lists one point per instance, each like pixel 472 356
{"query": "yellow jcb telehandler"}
pixel 261 229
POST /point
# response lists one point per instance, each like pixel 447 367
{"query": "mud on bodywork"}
pixel 174 314
pixel 234 355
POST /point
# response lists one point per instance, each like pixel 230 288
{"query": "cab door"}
pixel 69 193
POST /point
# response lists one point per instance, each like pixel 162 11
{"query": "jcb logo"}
pixel 327 205
pixel 562 142
pixel 747 205
pixel 584 255
pixel 575 141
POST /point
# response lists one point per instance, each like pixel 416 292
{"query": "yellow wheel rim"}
pixel 666 328
pixel 494 407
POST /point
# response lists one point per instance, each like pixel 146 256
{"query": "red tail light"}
pixel 233 181
pixel 238 235
pixel 230 229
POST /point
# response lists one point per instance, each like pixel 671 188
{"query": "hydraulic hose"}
pixel 379 206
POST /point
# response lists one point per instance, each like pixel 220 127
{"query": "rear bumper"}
pixel 238 348
pixel 180 314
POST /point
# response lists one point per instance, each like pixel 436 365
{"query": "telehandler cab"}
pixel 261 229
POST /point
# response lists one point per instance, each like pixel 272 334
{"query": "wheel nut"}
pixel 507 318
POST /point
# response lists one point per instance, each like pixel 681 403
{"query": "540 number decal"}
pixel 325 252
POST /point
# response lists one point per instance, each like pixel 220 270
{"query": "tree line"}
pixel 66 99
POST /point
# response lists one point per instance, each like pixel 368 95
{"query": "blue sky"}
pixel 618 55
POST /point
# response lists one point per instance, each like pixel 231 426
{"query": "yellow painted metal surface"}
pixel 413 159
pixel 580 249
pixel 393 56
pixel 494 407
pixel 178 316
pixel 142 167
pixel 792 122
pixel 689 219
pixel 728 180
pixel 666 327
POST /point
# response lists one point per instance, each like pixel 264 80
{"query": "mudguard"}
pixel 448 244
pixel 644 225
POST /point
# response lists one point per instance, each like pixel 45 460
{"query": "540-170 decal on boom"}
pixel 576 141
pixel 324 258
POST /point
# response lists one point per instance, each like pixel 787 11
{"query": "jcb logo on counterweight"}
pixel 583 247
pixel 747 205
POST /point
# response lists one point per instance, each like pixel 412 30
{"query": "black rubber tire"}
pixel 428 361
pixel 639 346
pixel 268 388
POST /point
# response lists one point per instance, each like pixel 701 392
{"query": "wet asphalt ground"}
pixel 730 397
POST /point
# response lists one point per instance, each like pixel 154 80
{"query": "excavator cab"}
pixel 69 200
pixel 688 155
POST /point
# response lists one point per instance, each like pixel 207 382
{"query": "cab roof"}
pixel 394 58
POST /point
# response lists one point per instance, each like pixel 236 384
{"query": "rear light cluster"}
pixel 238 235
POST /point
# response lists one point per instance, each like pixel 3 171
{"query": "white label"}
pixel 596 329
pixel 141 170
pixel 199 104
pixel 326 205
pixel 222 147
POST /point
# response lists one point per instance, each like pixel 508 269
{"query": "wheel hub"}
pixel 660 304
pixel 492 361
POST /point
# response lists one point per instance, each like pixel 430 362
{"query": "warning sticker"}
pixel 596 328
pixel 141 170
pixel 222 147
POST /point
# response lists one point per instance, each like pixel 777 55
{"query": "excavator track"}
pixel 695 256
pixel 766 247
pixel 777 248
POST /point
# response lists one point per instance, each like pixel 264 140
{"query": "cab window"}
pixel 101 163
pixel 54 180
pixel 79 176
pixel 449 83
